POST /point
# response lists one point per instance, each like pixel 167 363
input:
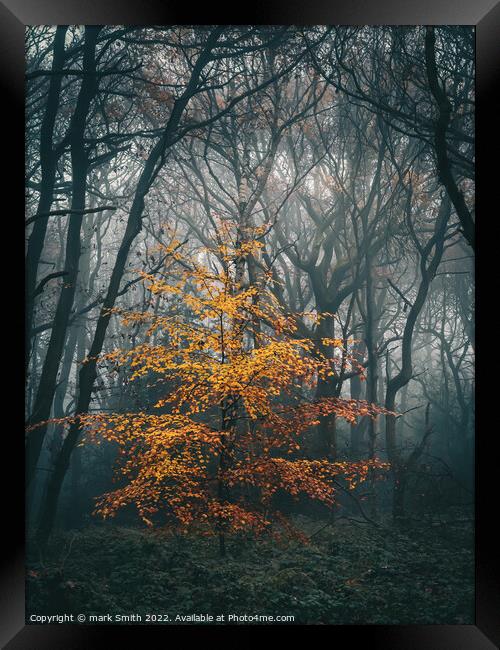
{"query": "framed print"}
pixel 251 392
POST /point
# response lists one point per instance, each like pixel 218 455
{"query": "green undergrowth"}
pixel 348 574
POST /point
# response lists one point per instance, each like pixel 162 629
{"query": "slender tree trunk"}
pixel 54 436
pixel 48 162
pixel 75 500
pixel 327 428
pixel 428 271
pixel 402 407
pixel 372 374
pixel 356 386
pixel 88 371
pixel 79 164
pixel 443 161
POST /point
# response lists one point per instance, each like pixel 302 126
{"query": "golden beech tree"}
pixel 225 441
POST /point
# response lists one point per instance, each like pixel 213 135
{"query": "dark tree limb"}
pixel 443 161
pixel 46 279
pixel 65 211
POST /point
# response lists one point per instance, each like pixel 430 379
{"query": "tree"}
pixel 48 156
pixel 430 256
pixel 197 78
pixel 226 441
pixel 421 90
pixel 79 165
pixel 309 165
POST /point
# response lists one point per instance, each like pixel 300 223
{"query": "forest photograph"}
pixel 249 324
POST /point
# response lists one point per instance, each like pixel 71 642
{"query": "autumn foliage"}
pixel 238 397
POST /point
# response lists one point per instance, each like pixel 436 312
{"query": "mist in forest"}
pixel 250 322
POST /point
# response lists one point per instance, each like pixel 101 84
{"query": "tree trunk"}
pixel 327 429
pixel 79 164
pixel 48 162
pixel 443 162
pixel 88 371
pixel 356 386
pixel 428 271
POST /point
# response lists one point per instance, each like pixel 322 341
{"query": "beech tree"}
pixel 224 445
pixel 178 125
pixel 338 161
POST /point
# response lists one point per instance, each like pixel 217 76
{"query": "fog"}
pixel 329 171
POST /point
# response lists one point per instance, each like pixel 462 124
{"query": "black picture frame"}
pixel 485 16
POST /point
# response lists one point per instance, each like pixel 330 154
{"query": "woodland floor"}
pixel 348 574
